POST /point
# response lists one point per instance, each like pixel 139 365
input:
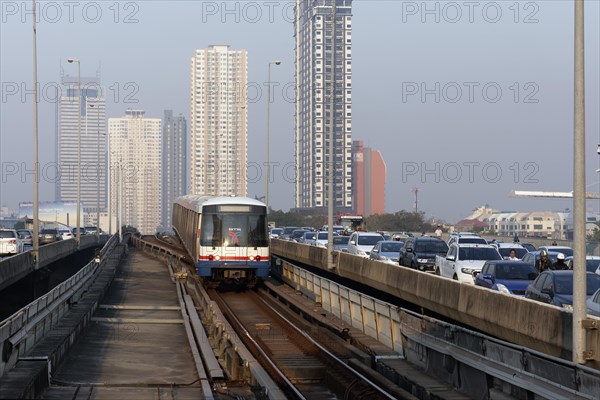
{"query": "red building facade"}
pixel 368 180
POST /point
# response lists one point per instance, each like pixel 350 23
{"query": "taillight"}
pixel 12 241
pixel 257 258
pixel 210 257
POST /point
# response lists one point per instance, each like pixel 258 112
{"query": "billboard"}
pixel 61 212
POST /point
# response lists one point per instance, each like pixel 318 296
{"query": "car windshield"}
pixel 478 253
pixel 505 251
pixel 49 231
pixel 298 234
pixel 369 240
pixel 592 265
pixel 516 271
pixel 341 239
pixel 393 247
pixel 429 246
pixel 309 236
pixel 288 231
pixel 322 236
pixel 6 234
pixel 277 231
pixel 563 284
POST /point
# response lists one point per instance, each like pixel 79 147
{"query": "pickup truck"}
pixel 463 260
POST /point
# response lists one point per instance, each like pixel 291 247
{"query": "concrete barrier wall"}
pixel 13 269
pixel 521 321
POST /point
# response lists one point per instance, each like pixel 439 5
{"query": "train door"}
pixel 235 238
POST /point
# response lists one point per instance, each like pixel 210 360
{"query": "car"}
pixel 592 263
pixel 308 238
pixel 26 236
pixel 91 230
pixel 336 228
pixel 510 277
pixel 556 287
pixel 593 304
pixel 528 246
pixel 287 232
pixel 464 261
pixel 361 243
pixel 297 234
pixel 66 233
pixel 50 235
pixel 10 244
pixel 321 238
pixel 505 248
pixel 275 233
pixel 567 251
pixel 340 243
pixel 82 230
pixel 466 238
pixel 533 256
pixel 419 252
pixel 387 251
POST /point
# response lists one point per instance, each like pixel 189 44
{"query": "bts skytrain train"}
pixel 227 237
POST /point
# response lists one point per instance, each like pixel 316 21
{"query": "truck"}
pixel 464 261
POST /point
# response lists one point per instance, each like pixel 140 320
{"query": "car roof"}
pixel 367 234
pixel 554 247
pixel 485 246
pixel 428 239
pixel 510 245
pixel 508 262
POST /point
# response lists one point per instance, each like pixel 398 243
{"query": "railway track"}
pixel 303 367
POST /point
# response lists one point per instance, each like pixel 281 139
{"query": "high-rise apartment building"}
pixel 91 160
pixel 218 122
pixel 174 163
pixel 135 165
pixel 368 180
pixel 315 84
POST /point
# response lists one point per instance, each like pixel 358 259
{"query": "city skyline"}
pixel 405 100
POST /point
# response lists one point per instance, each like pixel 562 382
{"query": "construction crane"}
pixel 555 195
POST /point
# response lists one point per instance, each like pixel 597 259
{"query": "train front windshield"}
pixel 233 227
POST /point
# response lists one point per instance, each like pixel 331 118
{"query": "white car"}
pixel 361 243
pixel 66 233
pixel 463 260
pixel 10 244
pixel 274 233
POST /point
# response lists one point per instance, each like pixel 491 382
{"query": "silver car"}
pixel 593 304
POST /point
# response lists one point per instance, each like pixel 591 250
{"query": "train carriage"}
pixel 226 237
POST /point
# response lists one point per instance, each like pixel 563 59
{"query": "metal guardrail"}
pixel 426 341
pixel 26 327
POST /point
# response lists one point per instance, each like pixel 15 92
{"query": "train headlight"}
pixel 217 258
pixel 251 258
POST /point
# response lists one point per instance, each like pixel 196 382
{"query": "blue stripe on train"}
pixel 262 267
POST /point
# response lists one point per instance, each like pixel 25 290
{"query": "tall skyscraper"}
pixel 314 84
pixel 174 163
pixel 218 122
pixel 135 156
pixel 93 144
pixel 369 178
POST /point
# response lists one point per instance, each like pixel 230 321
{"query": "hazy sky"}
pixel 465 100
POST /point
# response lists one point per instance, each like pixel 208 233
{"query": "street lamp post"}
pixel 277 62
pixel 36 227
pixel 78 204
pixel 97 174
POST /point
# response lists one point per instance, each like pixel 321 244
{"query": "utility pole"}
pixel 416 190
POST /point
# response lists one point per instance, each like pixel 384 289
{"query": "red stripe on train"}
pixel 225 258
